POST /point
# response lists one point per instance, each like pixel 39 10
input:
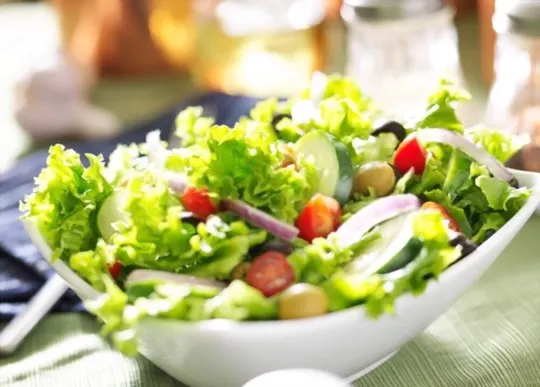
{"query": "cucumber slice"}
pixel 110 212
pixel 394 250
pixel 333 163
pixel 403 258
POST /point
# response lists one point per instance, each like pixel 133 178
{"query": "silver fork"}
pixel 19 327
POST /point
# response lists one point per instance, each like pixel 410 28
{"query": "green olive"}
pixel 377 175
pixel 240 271
pixel 302 301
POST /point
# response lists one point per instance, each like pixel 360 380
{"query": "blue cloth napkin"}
pixel 22 269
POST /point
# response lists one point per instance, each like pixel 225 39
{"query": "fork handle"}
pixel 17 329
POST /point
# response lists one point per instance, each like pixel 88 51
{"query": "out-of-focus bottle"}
pixel 398 50
pixel 171 27
pixel 258 47
pixel 514 100
pixel 127 37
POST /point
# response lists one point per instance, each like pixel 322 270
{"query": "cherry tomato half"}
pixel 320 216
pixel 410 154
pixel 270 273
pixel 198 202
pixel 115 269
pixel 452 224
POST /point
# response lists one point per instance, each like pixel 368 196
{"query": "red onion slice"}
pixel 476 152
pixel 261 219
pixel 377 212
pixel 149 275
pixel 251 214
pixel 177 182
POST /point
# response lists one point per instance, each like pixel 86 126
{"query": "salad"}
pixel 305 207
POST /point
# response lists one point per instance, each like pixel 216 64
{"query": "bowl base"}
pixel 354 377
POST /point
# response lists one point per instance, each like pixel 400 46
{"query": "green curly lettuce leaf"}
pixel 121 162
pixel 243 163
pixel 192 126
pixel 466 189
pixel 502 145
pixel 489 223
pixel 239 301
pixel 165 300
pixel 380 148
pixel 501 196
pixel 440 111
pixel 93 265
pixel 318 261
pixel 65 201
pixel 342 110
pixel 122 312
pixel 156 238
pixel 227 255
pixel 266 110
pixel 341 118
pixel 344 88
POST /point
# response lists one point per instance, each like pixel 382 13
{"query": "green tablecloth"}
pixel 491 337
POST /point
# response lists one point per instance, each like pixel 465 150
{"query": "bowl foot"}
pixel 367 370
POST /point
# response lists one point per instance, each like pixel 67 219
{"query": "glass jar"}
pixel 258 47
pixel 399 50
pixel 514 100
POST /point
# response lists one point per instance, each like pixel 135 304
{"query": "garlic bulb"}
pixel 52 102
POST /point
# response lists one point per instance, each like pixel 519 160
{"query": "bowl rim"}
pixel 330 318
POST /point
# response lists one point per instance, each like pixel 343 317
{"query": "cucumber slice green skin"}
pixel 409 252
pixel 395 250
pixel 332 161
pixel 344 185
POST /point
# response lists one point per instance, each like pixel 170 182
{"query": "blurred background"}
pixel 90 68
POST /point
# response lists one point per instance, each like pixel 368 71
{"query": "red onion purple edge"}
pixel 470 148
pixel 373 214
pixel 261 219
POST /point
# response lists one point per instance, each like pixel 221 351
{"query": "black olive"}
pixel 467 246
pixel 188 217
pixel 398 174
pixel 489 233
pixel 514 182
pixel 278 117
pixel 272 245
pixel 391 127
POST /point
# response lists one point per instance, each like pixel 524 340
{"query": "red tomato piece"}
pixel 334 208
pixel 270 273
pixel 410 154
pixel 198 202
pixel 320 216
pixel 115 269
pixel 452 224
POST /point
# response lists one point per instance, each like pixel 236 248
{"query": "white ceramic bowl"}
pixel 219 353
